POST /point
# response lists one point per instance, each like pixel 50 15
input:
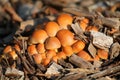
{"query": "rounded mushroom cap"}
pixel 46 61
pixel 52 28
pixel 37 58
pixel 103 54
pixel 78 46
pixel 83 54
pixel 7 49
pixel 64 20
pixel 17 47
pixel 38 36
pixel 13 54
pixel 66 37
pixel 40 48
pixel 32 49
pixel 68 50
pixel 61 55
pixel 50 54
pixel 52 43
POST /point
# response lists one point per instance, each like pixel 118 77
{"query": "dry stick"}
pixel 74 76
pixel 105 72
pixel 24 63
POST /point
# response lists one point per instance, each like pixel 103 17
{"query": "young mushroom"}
pixel 38 36
pixel 103 54
pixel 40 48
pixel 65 37
pixel 52 43
pixel 7 49
pixel 32 49
pixel 37 58
pixel 64 20
pixel 78 46
pixel 84 23
pixel 51 28
pixel 83 54
pixel 67 50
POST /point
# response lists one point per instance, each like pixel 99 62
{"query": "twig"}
pixel 105 72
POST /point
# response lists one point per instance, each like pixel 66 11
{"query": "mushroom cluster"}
pixel 55 41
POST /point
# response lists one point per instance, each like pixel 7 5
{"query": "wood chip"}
pixel 79 62
pixel 114 50
pixel 101 40
pixel 92 50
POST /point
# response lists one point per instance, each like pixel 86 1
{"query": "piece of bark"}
pixel 78 12
pixel 79 32
pixel 12 72
pixel 54 69
pixel 65 64
pixel 105 72
pixel 114 50
pixel 30 24
pixel 79 62
pixel 73 76
pixel 92 50
pixel 101 40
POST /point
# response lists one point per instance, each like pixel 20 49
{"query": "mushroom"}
pixel 83 54
pixel 50 54
pixel 65 37
pixel 52 43
pixel 46 61
pixel 84 23
pixel 13 54
pixel 64 20
pixel 38 36
pixel 67 50
pixel 37 58
pixel 103 54
pixel 17 47
pixel 52 28
pixel 78 46
pixel 7 49
pixel 40 48
pixel 61 55
pixel 32 49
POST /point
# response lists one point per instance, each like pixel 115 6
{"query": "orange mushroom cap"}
pixel 64 20
pixel 38 36
pixel 83 54
pixel 103 54
pixel 78 46
pixel 55 58
pixel 68 50
pixel 92 28
pixel 13 54
pixel 84 23
pixel 50 53
pixel 46 61
pixel 37 58
pixel 32 49
pixel 52 28
pixel 40 48
pixel 61 55
pixel 52 43
pixel 7 49
pixel 17 47
pixel 66 37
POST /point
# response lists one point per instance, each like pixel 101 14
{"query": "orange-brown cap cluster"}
pixel 55 41
pixel 11 50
